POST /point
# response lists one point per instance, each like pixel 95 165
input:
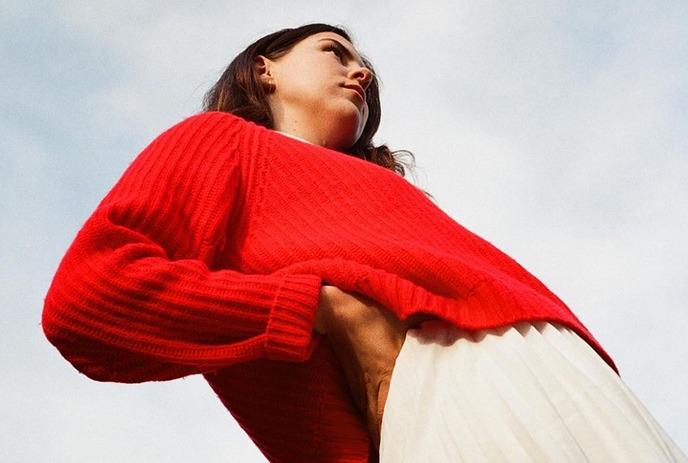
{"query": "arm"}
pixel 134 299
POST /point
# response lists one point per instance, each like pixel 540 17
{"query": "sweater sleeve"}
pixel 135 298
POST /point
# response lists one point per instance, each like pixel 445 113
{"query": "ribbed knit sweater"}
pixel 208 254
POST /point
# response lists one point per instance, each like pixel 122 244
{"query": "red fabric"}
pixel 207 256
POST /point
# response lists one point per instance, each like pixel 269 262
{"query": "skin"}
pixel 309 99
pixel 366 339
pixel 308 92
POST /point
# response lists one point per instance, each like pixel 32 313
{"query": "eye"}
pixel 337 50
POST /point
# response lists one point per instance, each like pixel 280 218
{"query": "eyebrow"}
pixel 346 50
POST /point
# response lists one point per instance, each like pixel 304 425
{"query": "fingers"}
pixel 376 406
pixel 373 425
pixel 381 401
pixel 352 373
pixel 366 340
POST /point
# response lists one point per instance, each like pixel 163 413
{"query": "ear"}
pixel 263 66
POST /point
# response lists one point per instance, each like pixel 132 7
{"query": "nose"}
pixel 364 76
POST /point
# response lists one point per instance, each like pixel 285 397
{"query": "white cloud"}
pixel 556 130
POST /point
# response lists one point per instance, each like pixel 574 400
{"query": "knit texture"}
pixel 208 254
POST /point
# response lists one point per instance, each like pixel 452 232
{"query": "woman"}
pixel 268 245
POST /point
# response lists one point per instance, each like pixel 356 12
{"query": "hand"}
pixel 366 339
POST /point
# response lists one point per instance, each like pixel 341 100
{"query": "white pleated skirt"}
pixel 530 392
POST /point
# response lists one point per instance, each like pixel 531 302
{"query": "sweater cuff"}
pixel 290 325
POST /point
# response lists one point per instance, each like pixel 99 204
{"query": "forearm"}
pixel 135 298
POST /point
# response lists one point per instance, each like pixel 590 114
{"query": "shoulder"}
pixel 210 131
pixel 202 142
pixel 209 121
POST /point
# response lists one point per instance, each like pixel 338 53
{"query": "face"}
pixel 318 90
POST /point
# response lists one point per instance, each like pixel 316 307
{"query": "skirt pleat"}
pixel 528 392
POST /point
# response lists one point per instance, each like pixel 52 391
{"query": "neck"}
pixel 293 136
pixel 316 130
pixel 305 132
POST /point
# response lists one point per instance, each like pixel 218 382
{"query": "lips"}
pixel 357 89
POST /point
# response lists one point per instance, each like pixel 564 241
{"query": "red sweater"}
pixel 208 254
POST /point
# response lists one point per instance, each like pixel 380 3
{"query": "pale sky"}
pixel 551 129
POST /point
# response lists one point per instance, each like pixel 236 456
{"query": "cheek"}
pixel 316 90
pixel 302 84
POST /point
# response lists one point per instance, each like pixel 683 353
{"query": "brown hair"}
pixel 239 91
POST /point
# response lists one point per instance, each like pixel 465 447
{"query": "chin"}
pixel 355 128
pixel 347 126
